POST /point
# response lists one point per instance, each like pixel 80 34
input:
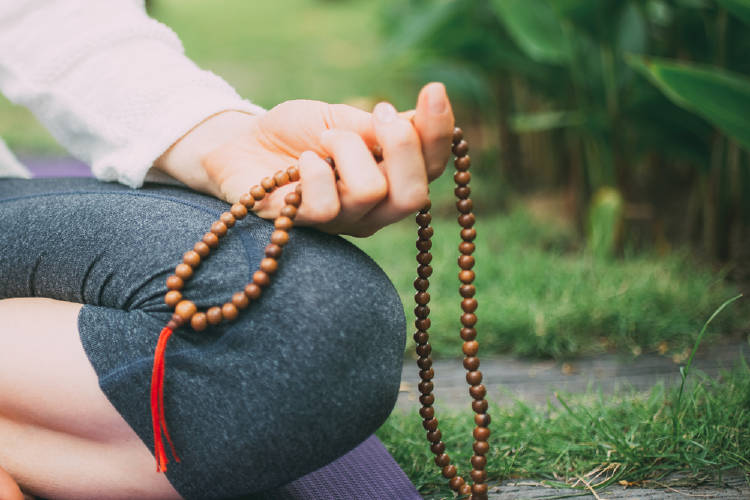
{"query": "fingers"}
pixel 434 122
pixel 320 200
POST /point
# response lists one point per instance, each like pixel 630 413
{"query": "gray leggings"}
pixel 300 378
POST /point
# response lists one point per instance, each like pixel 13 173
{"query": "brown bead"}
pixel 211 240
pixel 478 461
pixel 421 337
pixel 172 298
pixel 478 476
pixel 253 291
pixel 281 178
pixel 228 219
pixel 434 436
pixel 293 173
pixel 463 163
pixel 466 276
pixel 480 406
pixel 427 412
pixel 466 220
pixel 202 249
pixel 427 374
pixel 183 271
pixel 424 363
pixel 465 489
pixel 240 300
pixel 462 192
pixel 175 322
pixel 229 311
pixel 479 489
pixel 269 265
pixel 481 447
pixel 261 278
pixel 471 347
pixel 456 483
pixel 477 391
pixel 469 305
pixel 424 271
pixel 199 322
pixel 462 178
pixel 424 258
pixel 175 283
pixel 467 291
pixel 377 152
pixel 422 311
pixel 474 377
pixel 425 387
pixel 239 211
pixel 464 206
pixel 289 211
pixel 421 284
pixel 430 425
pixel 283 223
pixel 466 248
pixel 442 460
pixel 424 219
pixel 471 363
pixel 482 419
pixel 273 251
pixel 330 161
pixel 213 315
pixel 481 433
pixel 191 258
pixel 468 333
pixel 185 310
pixel 423 323
pixel 425 233
pixel 427 399
pixel 268 184
pixel 468 234
pixel 279 237
pixel 449 471
pixel 219 228
pixel 466 262
pixel 461 148
pixel 437 448
pixel 424 245
pixel 257 192
pixel 422 298
pixel 247 201
pixel 458 134
pixel 293 199
pixel 424 349
pixel 468 319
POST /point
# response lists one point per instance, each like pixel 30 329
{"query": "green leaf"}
pixel 545 120
pixel 719 96
pixel 739 8
pixel 535 27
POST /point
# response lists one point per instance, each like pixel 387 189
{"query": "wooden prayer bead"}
pixel 424 363
pixel 281 178
pixel 261 278
pixel 293 173
pixel 425 233
pixel 442 460
pixel 427 374
pixel 456 483
pixel 423 323
pixel 481 447
pixel 478 476
pixel 474 377
pixel 421 337
pixel 469 305
pixel 479 489
pixel 479 406
pixel 449 471
pixel 437 448
pixel 240 300
pixel 219 228
pixel 422 298
pixel 268 265
pixel 427 412
pixel 228 219
pixel 422 311
pixel 434 436
pixel 202 249
pixel 211 240
pixel 468 234
pixel 466 262
pixel 482 419
pixel 425 387
pixel 466 247
pixel 239 211
pixel 461 148
pixel 471 363
pixel 478 461
pixel 424 219
pixel 458 134
pixel 247 200
pixel 466 276
pixel 283 223
pixel 289 211
pixel 465 489
pixel 293 199
pixel 185 310
pixel 468 319
pixel 481 433
pixel 464 206
pixel 430 425
pixel 183 271
pixel 229 311
pixel 424 271
pixel 191 258
pixel 268 184
pixel 214 316
pixel 463 163
pixel 427 399
pixel 424 258
pixel 199 322
pixel 466 220
pixel 253 291
pixel 477 391
pixel 175 283
pixel 279 237
pixel 471 347
pixel 462 178
pixel 424 349
pixel 421 284
pixel 467 291
pixel 172 298
pixel 424 245
pixel 273 251
pixel 257 192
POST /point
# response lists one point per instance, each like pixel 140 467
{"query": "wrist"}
pixel 185 158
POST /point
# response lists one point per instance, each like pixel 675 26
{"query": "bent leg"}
pixel 303 375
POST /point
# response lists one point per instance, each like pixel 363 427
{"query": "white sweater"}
pixel 112 85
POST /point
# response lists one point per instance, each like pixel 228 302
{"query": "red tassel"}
pixel 158 421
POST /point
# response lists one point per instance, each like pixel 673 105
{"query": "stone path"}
pixel 534 382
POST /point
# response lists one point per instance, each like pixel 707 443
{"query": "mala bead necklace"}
pixel 187 313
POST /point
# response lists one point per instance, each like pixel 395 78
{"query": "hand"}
pixel 230 152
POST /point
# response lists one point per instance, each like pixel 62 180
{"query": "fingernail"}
pixel 384 112
pixel 436 99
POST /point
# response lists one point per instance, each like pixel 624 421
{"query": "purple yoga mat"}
pixel 368 472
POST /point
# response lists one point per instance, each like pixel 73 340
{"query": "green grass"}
pixel 626 437
pixel 541 296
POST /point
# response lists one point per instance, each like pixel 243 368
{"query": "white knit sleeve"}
pixel 112 85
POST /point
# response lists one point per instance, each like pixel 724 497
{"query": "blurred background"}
pixel 610 142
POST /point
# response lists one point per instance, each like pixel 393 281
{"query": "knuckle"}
pixel 413 197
